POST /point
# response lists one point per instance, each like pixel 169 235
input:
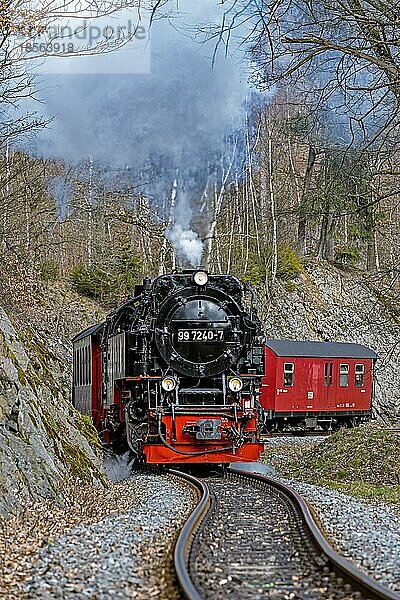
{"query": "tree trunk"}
pixel 274 266
pixel 325 243
pixel 171 211
pixel 218 201
pixel 302 222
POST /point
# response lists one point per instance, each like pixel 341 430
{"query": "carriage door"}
pixel 327 393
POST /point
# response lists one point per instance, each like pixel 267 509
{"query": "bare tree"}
pixel 30 33
pixel 219 196
pixel 344 53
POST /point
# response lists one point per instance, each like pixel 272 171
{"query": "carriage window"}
pixel 86 378
pixel 75 367
pixel 288 374
pixel 328 370
pixel 359 376
pixel 344 376
pixel 82 365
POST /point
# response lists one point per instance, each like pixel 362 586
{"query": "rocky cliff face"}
pixel 329 304
pixel 43 440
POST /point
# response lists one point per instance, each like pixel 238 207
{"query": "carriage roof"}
pixel 320 349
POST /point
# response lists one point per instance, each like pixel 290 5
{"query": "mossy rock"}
pixel 38 352
pixel 8 353
pixel 72 455
pixel 79 464
pixel 84 423
pixel 289 267
pixel 367 453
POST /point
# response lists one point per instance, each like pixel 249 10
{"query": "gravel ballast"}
pixel 289 440
pixel 364 532
pixel 127 555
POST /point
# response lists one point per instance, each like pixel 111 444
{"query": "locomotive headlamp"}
pixel 200 278
pixel 235 384
pixel 168 384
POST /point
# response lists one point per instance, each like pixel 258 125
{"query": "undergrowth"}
pixel 364 462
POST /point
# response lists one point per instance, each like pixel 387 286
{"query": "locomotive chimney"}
pixel 146 283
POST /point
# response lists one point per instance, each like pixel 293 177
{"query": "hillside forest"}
pixel 309 173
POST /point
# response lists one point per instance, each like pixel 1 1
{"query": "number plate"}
pixel 200 335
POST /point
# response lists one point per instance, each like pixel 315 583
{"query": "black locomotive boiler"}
pixel 176 369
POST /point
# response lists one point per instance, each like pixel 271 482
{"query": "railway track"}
pixel 252 537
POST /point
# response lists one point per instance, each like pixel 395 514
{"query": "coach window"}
pixel 78 379
pixel 75 367
pixel 359 376
pixel 344 376
pixel 88 365
pixel 80 366
pixel 82 361
pixel 328 371
pixel 86 382
pixel 288 374
pixel 84 365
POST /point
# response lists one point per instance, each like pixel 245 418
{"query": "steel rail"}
pixel 184 542
pixel 349 573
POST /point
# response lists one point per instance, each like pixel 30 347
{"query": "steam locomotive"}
pixel 176 371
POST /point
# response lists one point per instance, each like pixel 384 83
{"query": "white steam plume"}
pixel 186 243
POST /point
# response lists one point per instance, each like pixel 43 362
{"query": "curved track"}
pixel 252 537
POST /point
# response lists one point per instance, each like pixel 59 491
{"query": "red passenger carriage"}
pixel 310 384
